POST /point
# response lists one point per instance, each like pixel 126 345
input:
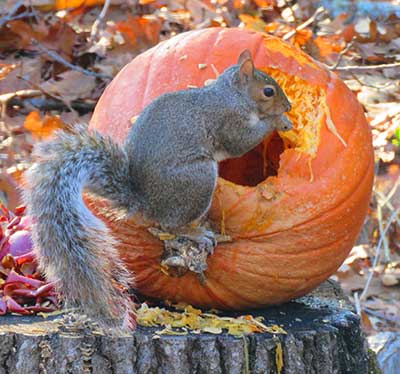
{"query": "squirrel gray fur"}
pixel 167 170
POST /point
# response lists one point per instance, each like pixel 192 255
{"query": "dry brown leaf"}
pixel 390 280
pixel 200 10
pixel 366 323
pixel 61 38
pixel 5 69
pixel 28 68
pixel 58 36
pixel 391 275
pixel 372 52
pixel 23 33
pixel 9 191
pixel 71 85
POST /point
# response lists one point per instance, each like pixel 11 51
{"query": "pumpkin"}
pixel 293 206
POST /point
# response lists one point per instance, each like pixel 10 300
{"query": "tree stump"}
pixel 323 337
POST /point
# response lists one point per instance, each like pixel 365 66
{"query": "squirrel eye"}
pixel 269 91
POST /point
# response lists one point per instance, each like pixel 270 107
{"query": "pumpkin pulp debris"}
pixel 187 319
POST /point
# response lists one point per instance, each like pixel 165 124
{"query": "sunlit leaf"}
pixel 253 22
pixel 42 128
pixel 328 45
pixel 301 37
pixel 64 4
pixel 140 31
pixel 265 3
pixel 5 69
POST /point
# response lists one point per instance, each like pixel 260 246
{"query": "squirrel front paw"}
pixel 205 239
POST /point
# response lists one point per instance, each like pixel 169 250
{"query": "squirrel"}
pixel 166 169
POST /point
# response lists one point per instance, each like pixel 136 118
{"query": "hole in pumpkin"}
pixel 256 165
pixel 262 162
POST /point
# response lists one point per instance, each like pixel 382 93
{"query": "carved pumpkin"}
pixel 293 206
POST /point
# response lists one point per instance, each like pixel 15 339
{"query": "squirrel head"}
pixel 263 90
pixel 258 102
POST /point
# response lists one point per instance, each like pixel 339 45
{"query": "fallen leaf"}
pixel 71 85
pixel 18 34
pixel 28 68
pixel 140 32
pixel 66 4
pixel 253 23
pixel 391 275
pixel 5 69
pixel 9 190
pixel 301 37
pixel 42 128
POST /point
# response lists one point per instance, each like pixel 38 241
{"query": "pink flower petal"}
pixel 3 307
pixel 26 257
pixel 20 242
pixel 14 277
pixel 14 307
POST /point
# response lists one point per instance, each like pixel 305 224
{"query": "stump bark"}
pixel 323 337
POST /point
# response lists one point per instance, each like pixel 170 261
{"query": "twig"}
pixel 288 35
pixel 95 27
pixel 4 98
pixel 382 235
pixel 381 315
pixel 377 253
pixel 53 104
pixel 341 54
pixel 381 204
pixel 361 83
pixel 54 96
pixel 391 192
pixel 357 303
pixel 56 57
pixel 388 204
pixel 10 14
pixel 358 68
pixel 19 16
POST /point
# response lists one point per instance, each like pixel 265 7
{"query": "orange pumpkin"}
pixel 293 206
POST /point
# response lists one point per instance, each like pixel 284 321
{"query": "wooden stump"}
pixel 323 337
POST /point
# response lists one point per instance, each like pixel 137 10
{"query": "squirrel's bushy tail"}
pixel 74 248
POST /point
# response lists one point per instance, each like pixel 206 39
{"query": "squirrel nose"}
pixel 287 126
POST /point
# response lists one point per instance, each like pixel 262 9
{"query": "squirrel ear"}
pixel 246 70
pixel 245 55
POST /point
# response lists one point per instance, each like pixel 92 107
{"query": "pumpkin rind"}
pixel 290 231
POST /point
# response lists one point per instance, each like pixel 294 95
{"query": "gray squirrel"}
pixel 167 170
